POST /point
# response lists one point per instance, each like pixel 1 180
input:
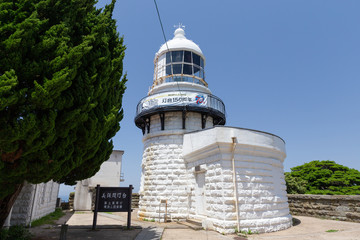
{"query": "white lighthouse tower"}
pixel 179 101
pixel 226 177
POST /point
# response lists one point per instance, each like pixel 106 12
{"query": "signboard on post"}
pixel 113 199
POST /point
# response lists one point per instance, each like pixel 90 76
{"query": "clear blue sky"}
pixel 290 68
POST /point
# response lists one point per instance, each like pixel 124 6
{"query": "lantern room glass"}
pixel 182 65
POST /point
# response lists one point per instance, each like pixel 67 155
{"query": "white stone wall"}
pixel 34 202
pixel 109 173
pixel 107 176
pixel 22 207
pixel 45 199
pixel 260 187
pixel 164 174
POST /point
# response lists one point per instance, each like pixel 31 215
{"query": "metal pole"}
pixel 96 206
pixel 64 228
pixel 166 211
pixel 234 140
pixel 129 211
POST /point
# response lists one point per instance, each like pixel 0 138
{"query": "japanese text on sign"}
pixel 112 199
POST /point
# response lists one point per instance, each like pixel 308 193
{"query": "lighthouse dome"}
pixel 179 60
pixel 180 42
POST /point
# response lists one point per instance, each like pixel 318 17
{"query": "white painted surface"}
pixel 34 202
pixel 200 201
pixel 180 42
pixel 164 174
pixel 109 173
pixel 261 187
pixel 171 155
pixel 175 86
pixel 107 176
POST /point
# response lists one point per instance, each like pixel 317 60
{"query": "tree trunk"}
pixel 7 203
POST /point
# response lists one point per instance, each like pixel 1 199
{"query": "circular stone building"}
pixel 194 168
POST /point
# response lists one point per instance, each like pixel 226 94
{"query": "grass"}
pixel 15 232
pixel 80 212
pixel 148 220
pixel 48 219
pixel 245 233
pixel 332 230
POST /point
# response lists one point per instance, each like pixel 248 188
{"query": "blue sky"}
pixel 290 68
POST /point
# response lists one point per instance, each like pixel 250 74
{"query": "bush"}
pixel 295 185
pixel 323 177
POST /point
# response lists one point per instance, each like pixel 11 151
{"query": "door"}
pixel 200 201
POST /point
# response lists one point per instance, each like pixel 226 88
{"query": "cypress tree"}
pixel 323 177
pixel 61 87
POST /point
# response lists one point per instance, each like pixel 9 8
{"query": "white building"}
pixel 109 175
pixel 228 178
pixel 33 202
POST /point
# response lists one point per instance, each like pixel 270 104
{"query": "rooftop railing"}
pixel 213 103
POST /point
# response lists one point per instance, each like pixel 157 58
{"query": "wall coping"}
pixel 325 197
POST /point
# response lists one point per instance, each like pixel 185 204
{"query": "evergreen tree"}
pixel 325 177
pixel 295 185
pixel 61 90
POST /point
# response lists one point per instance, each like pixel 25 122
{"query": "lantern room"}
pixel 179 60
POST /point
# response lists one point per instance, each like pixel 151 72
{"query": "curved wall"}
pixel 164 175
pixel 260 185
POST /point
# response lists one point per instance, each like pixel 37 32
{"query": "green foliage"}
pixel 48 219
pixel 295 185
pixel 15 233
pixel 326 177
pixel 60 90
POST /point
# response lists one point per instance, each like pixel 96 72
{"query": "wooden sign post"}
pixel 113 199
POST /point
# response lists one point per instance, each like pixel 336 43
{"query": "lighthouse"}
pixel 178 101
pixel 193 167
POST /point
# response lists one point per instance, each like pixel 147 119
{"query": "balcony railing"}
pixel 180 99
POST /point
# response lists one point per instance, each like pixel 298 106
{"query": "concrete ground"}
pixel 113 226
pixel 311 228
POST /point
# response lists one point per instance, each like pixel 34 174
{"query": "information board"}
pixel 114 199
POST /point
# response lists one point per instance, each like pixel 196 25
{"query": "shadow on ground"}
pixel 295 221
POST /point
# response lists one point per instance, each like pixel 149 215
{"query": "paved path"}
pixel 113 226
pixel 311 228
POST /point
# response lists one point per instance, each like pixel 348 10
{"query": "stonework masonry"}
pixel 34 202
pixel 226 177
pixel 164 171
pixel 260 184
pixel 338 207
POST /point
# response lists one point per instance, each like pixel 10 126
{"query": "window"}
pixel 183 63
pixel 168 59
pixel 187 69
pixel 177 56
pixel 187 57
pixel 196 59
pixel 168 70
pixel 196 71
pixel 177 68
